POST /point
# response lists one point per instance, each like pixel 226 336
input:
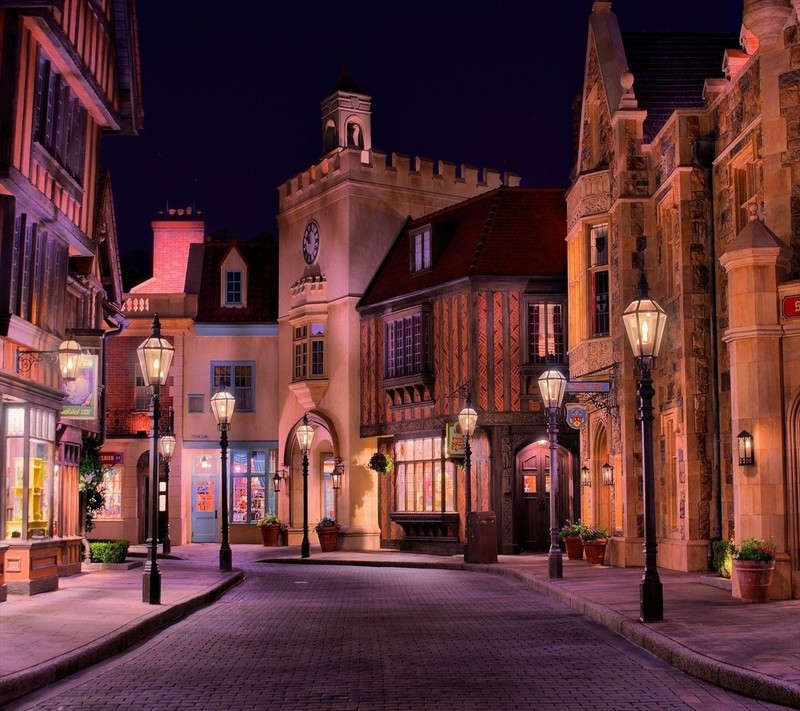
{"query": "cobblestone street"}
pixel 347 637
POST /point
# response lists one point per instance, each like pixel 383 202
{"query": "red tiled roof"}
pixel 261 257
pixel 507 232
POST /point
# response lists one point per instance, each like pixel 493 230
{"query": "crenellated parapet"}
pixel 394 170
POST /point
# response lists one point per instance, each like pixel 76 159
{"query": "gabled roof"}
pixel 503 233
pixel 261 257
pixel 669 70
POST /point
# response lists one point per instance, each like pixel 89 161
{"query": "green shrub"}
pixel 722 552
pixel 109 551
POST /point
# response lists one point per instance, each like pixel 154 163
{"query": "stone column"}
pixel 756 263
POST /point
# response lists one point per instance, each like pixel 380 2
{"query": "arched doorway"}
pixel 532 494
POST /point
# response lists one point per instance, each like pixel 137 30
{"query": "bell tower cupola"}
pixel 346 117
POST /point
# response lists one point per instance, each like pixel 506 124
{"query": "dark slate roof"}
pixel 507 232
pixel 669 70
pixel 347 83
pixel 261 257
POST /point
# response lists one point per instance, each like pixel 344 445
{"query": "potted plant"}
pixel 270 527
pixel 571 535
pixel 328 533
pixel 594 540
pixel 381 463
pixel 754 563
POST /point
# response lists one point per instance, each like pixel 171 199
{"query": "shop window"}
pixel 251 491
pixel 598 245
pixel 545 324
pixel 328 493
pixel 424 481
pixel 112 492
pixel 309 350
pixel 237 379
pixel 29 447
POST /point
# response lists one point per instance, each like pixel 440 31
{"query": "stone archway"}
pixel 793 489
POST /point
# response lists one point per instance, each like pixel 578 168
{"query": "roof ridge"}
pixel 487 226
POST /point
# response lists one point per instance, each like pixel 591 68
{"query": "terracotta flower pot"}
pixel 574 546
pixel 328 538
pixel 595 551
pixel 269 534
pixel 754 578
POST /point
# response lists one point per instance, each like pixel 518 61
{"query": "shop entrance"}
pixel 533 495
pixel 204 510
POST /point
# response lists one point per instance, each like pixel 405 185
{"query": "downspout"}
pixel 703 158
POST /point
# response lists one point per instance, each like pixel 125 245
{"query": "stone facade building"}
pixel 688 166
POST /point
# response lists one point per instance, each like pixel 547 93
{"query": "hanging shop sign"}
pixel 454 441
pixel 577 416
pixel 80 401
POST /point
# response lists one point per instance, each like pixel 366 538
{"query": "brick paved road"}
pixel 346 637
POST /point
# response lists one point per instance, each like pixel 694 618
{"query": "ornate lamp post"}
pixel 167 446
pixel 223 404
pixel 644 323
pixel 305 433
pixel 467 419
pixel 552 385
pixel 155 358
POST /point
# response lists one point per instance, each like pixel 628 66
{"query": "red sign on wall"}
pixel 791 306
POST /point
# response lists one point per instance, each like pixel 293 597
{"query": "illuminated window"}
pixel 112 492
pixel 598 245
pixel 238 379
pixel 251 492
pixel 142 393
pixel 424 481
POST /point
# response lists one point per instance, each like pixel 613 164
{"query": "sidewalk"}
pixel 750 649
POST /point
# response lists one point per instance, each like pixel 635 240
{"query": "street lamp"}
pixel 223 405
pixel 644 322
pixel 167 446
pixel 467 419
pixel 305 433
pixel 155 358
pixel 552 385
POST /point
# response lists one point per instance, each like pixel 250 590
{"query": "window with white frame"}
pixel 599 279
pixel 421 250
pixel 309 350
pixel 238 379
pixel 545 323
pixel 407 344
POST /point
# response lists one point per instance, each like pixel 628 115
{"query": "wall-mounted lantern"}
pixel 747 457
pixel 608 474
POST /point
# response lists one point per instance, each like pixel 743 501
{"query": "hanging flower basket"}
pixel 381 463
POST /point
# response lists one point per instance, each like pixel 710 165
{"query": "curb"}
pixel 16 685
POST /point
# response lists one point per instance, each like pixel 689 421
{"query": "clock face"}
pixel 311 242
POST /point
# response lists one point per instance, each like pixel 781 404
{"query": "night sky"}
pixel 232 92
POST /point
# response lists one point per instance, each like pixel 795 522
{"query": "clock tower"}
pixel 346 117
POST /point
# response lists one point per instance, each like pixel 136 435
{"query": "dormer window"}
pixel 233 280
pixel 421 250
pixel 233 288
